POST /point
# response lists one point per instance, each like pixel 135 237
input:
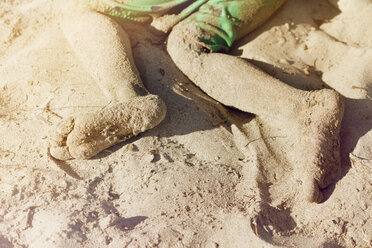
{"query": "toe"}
pixel 65 126
pixel 60 133
pixel 86 150
pixel 311 191
pixel 326 180
pixel 331 167
pixel 58 147
pixel 60 152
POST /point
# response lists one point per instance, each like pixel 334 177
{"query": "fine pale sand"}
pixel 207 176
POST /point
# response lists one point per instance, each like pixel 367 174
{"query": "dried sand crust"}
pixel 190 182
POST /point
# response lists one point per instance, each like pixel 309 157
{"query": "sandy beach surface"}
pixel 207 176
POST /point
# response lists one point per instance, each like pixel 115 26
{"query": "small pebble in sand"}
pixel 151 156
pixel 214 245
pixel 132 148
pixel 108 221
pixel 283 61
pixel 306 71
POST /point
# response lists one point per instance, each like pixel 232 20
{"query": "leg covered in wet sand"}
pixel 316 115
pixel 104 49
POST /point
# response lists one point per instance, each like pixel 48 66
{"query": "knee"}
pixel 184 44
pixel 81 14
pixel 83 22
pixel 77 17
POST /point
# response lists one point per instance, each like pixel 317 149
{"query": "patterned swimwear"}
pixel 223 20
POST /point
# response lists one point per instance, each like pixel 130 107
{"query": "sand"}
pixel 207 176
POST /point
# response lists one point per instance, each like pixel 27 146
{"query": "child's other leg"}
pixel 234 82
pixel 346 68
pixel 104 49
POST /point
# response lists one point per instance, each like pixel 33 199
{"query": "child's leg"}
pixel 104 49
pixel 341 53
pixel 337 61
pixel 234 82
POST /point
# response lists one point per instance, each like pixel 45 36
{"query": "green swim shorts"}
pixel 222 20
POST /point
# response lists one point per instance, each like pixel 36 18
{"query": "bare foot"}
pixel 86 135
pixel 321 122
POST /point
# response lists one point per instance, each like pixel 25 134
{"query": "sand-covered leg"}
pixel 229 79
pixel 337 61
pixel 234 82
pixel 104 50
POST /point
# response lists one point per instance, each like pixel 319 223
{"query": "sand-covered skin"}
pixel 88 134
pixel 188 182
